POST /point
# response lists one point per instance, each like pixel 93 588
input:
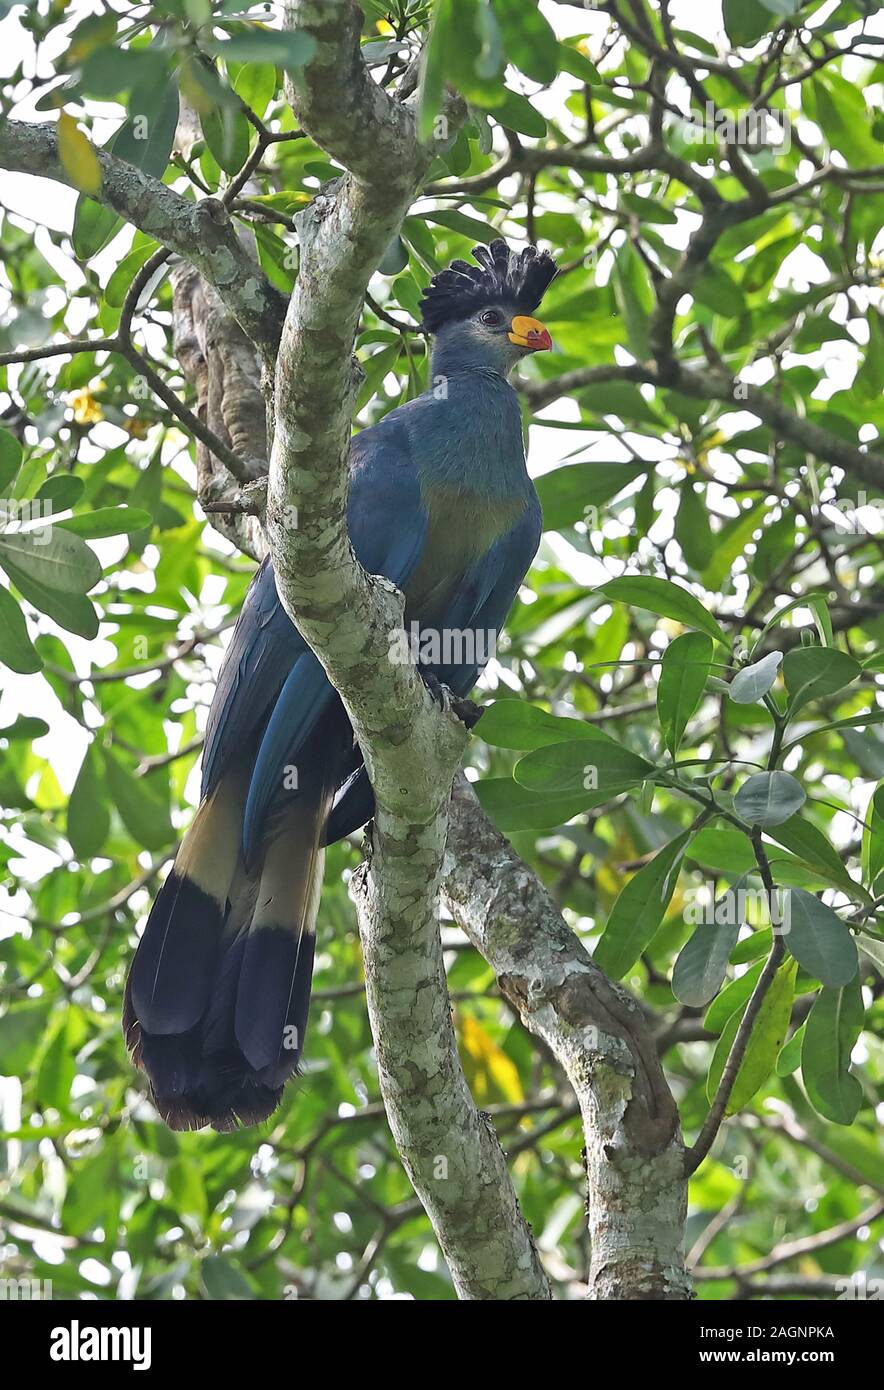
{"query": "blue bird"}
pixel 441 503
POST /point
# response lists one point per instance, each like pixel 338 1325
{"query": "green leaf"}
pixel 692 529
pixel 732 998
pixel 812 673
pixel 567 494
pixel 702 963
pixel 514 808
pixel 528 40
pixel 143 813
pixel 518 724
pixel 228 135
pixel 769 798
pixel 765 1041
pixel 754 681
pixel 597 768
pixel 26 727
pixel 144 139
pixel 16 648
pixel 572 60
pixel 72 611
pixel 88 821
pixel 53 557
pixel 683 674
pixel 223 1279
pixel 789 1059
pixel 634 296
pixel 639 909
pixel 107 521
pixel 21 1031
pixel 830 1034
pixel 745 21
pixel 819 940
pixel 57 1068
pixel 664 598
pixel 460 222
pixel 10 459
pixel 810 844
pixel 515 112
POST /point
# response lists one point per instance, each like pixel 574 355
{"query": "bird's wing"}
pixel 483 603
pixel 271 689
pixel 486 597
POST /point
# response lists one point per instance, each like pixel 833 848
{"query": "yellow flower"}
pixel 86 409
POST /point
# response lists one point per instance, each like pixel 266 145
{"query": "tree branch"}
pixel 347 616
pixel 202 233
pixel 634 1154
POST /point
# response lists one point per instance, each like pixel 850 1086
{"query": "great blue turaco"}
pixel 441 503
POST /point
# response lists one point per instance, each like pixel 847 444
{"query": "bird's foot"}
pixel 467 711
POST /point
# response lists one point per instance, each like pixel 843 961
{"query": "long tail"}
pixel 219 989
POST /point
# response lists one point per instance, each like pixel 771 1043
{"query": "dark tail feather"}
pixel 218 994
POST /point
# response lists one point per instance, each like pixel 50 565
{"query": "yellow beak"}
pixel 530 334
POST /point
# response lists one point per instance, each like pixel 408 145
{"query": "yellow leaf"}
pixel 77 155
pixel 488 1070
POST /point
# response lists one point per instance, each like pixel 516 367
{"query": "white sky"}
pixel 52 205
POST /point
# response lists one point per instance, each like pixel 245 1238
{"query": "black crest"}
pixel 516 280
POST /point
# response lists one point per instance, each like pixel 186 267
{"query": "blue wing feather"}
pixel 271 690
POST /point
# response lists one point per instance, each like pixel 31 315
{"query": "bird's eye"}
pixel 491 317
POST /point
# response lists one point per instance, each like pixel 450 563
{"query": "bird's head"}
pixel 482 315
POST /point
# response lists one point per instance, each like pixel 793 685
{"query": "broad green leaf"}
pixel 88 821
pixel 518 724
pixel 53 557
pixel 789 1059
pixel 664 598
pixel 812 673
pixel 769 798
pixel 10 459
pixel 639 910
pixel 516 113
pixel 513 808
pixel 107 521
pixel 72 611
pixel 223 1279
pixel 819 940
pixel 596 768
pixel 702 963
pixel 732 998
pixel 16 648
pixel 830 1034
pixel 528 40
pixel 289 49
pixel 683 674
pixel 746 21
pixel 142 811
pixel 144 139
pixel 803 838
pixel 692 529
pixel 765 1041
pixel 576 491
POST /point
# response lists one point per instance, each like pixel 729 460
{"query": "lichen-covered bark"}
pixel 201 232
pixel 448 1147
pixel 636 1183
